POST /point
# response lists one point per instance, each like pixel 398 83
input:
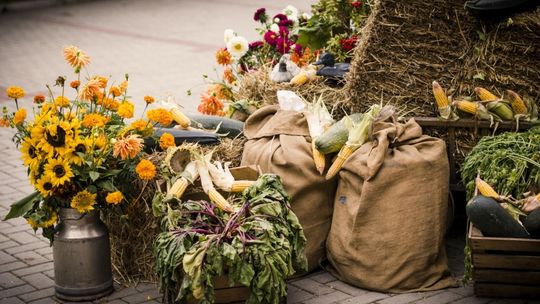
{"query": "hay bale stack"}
pixel 405 45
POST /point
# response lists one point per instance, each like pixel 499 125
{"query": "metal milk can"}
pixel 82 256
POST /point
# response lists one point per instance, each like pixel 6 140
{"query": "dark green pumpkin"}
pixel 532 223
pixel 488 216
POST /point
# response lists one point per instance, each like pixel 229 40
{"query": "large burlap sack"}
pixel 279 142
pixel 390 212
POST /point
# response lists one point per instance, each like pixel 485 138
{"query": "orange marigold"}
pixel 160 116
pixel 139 125
pixel 90 90
pixel 61 101
pixel 166 140
pixel 123 86
pixel 223 57
pixel 110 104
pixel 220 91
pixel 127 147
pixel 146 169
pixel 228 76
pixel 210 105
pixel 94 120
pixel 75 84
pixel 114 198
pixel 39 99
pixel 19 117
pixel 125 109
pixel 115 91
pixel 102 81
pixel 15 92
pixel 76 57
pixel 149 99
pixel 4 122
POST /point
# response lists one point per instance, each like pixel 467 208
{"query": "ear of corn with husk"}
pixel 207 184
pixel 318 119
pixel 178 116
pixel 485 95
pixel 446 109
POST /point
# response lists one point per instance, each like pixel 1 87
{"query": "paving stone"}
pixel 8 244
pixel 23 237
pixel 323 277
pixel 117 301
pixel 39 280
pixel 142 297
pixel 333 297
pixel 296 295
pixel 365 298
pixel 346 288
pixel 34 269
pixel 313 287
pixel 146 286
pixel 38 294
pixel 15 291
pixel 12 266
pixel 8 280
pixel 464 290
pixel 443 297
pixel 27 247
pixel 44 250
pixel 6 258
pixel 3 238
pixel 31 258
pixel 472 300
pixel 45 301
pixel 121 293
pixel 12 300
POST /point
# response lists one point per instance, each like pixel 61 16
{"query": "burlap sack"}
pixel 279 143
pixel 390 212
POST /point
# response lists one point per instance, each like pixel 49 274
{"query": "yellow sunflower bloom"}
pixel 58 170
pixel 94 120
pixel 146 169
pixel 45 186
pixel 125 109
pixel 166 140
pixel 61 102
pixel 83 201
pixel 15 92
pixel 32 223
pixel 114 198
pixel 53 218
pixel 19 117
pixel 80 146
pixel 30 154
pixel 100 142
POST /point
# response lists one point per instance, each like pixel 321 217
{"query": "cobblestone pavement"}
pixel 165 46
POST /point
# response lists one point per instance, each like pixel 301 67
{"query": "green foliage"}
pixel 258 246
pixel 509 162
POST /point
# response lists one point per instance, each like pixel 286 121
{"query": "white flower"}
pixel 237 46
pixel 306 15
pixel 291 12
pixel 274 27
pixel 228 34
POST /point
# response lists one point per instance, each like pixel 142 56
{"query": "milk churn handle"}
pixel 76 218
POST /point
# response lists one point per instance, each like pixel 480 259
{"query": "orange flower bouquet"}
pixel 79 149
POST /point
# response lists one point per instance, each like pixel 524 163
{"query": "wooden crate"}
pixel 504 267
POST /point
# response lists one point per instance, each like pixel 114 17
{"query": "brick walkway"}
pixel 165 46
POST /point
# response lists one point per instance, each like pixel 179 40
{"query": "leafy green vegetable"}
pixel 509 162
pixel 258 246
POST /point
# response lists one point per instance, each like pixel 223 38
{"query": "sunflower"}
pixel 94 120
pixel 80 146
pixel 32 223
pixel 19 117
pixel 30 154
pixel 61 102
pixel 44 185
pixel 15 92
pixel 127 147
pixel 83 201
pixel 47 109
pixel 166 140
pixel 125 109
pixel 146 169
pixel 76 57
pixel 160 116
pixel 90 90
pixel 51 219
pixel 114 198
pixel 58 170
pixel 99 142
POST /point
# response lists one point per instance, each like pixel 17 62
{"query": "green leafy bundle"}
pixel 258 246
pixel 509 162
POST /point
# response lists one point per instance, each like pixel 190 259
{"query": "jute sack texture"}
pixel 278 142
pixel 390 212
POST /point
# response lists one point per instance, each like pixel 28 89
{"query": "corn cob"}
pixel 518 105
pixel 502 110
pixel 241 185
pixel 318 157
pixel 485 189
pixel 179 187
pixel 299 79
pixel 467 106
pixel 219 200
pixel 440 97
pixel 484 94
pixel 342 156
pixel 180 118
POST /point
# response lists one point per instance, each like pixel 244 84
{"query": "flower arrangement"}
pixel 79 149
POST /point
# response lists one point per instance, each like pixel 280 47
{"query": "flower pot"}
pixel 82 257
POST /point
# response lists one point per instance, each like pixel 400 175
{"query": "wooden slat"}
pixel 481 243
pixel 507 276
pixel 470 123
pixel 500 261
pixel 506 290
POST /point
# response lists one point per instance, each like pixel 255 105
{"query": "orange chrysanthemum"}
pixel 39 99
pixel 160 116
pixel 166 140
pixel 110 104
pixel 228 76
pixel 102 81
pixel 114 198
pixel 127 147
pixel 125 109
pixel 149 99
pixel 210 105
pixel 223 57
pixel 220 91
pixel 146 169
pixel 19 117
pixel 75 84
pixel 76 57
pixel 94 120
pixel 304 59
pixel 4 122
pixel 115 91
pixel 90 90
